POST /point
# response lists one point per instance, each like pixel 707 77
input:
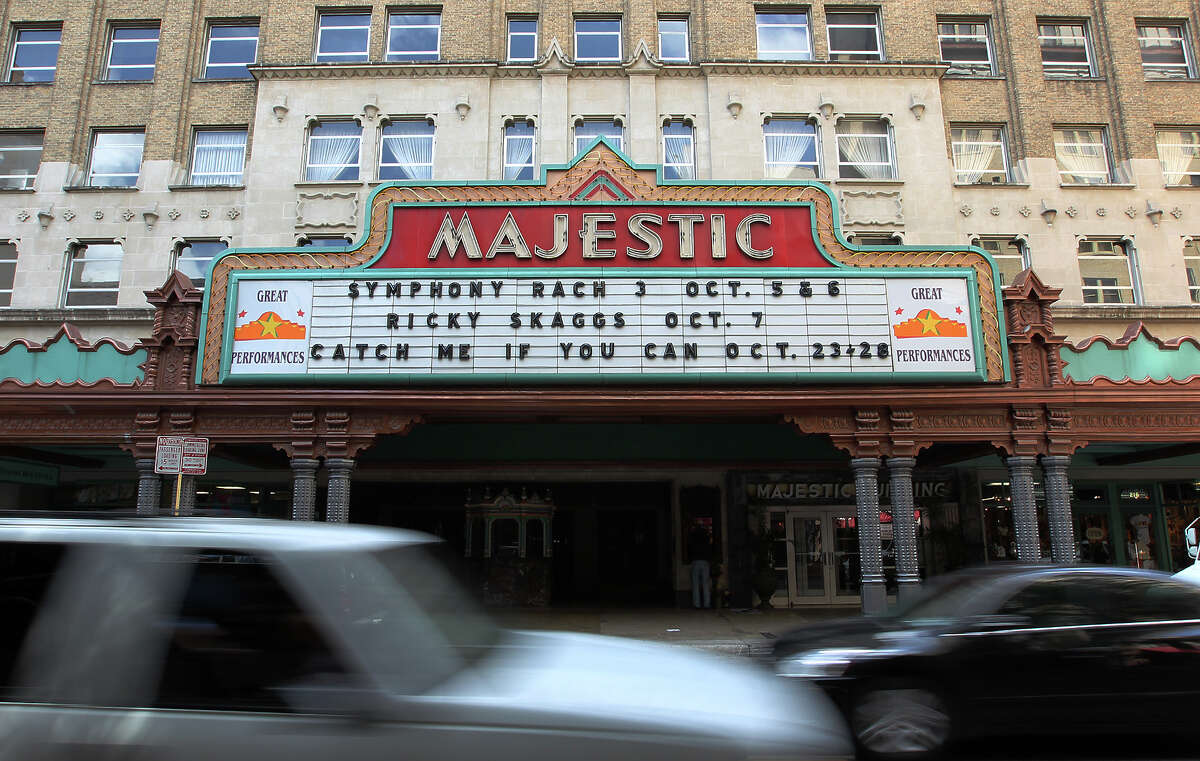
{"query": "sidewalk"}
pixel 732 631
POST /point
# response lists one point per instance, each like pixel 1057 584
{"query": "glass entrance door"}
pixel 822 557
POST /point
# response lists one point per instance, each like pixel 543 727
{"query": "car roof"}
pixel 232 533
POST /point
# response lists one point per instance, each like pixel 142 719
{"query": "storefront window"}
pixel 1181 506
pixel 1140 545
pixel 1094 538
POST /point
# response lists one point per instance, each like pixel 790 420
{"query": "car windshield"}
pixel 413 623
pixel 944 599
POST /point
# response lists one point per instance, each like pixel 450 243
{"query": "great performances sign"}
pixel 790 325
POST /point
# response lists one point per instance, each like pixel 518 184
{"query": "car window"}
pixel 26 572
pixel 1158 600
pixel 239 640
pixel 1064 601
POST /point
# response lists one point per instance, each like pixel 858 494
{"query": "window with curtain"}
pixel 590 129
pixel 1066 52
pixel 34 54
pixel 8 272
pixel 854 36
pixel 790 148
pixel 679 151
pixel 1191 264
pixel 518 151
pixel 94 275
pixel 1179 154
pixel 333 151
pixel 979 154
pixel 132 51
pixel 193 257
pixel 1106 272
pixel 865 149
pixel 116 159
pixel 1082 154
pixel 406 151
pixel 1165 53
pixel 219 156
pixel 967 46
pixel 783 36
pixel 1009 254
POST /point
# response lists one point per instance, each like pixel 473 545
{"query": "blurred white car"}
pixel 221 639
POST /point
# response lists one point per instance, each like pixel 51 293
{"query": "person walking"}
pixel 700 553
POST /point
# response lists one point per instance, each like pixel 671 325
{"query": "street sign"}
pixel 186 455
pixel 195 457
pixel 168 455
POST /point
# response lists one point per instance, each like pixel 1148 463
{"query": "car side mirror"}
pixel 1191 535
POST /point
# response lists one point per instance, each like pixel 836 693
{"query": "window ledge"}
pixel 1181 187
pixel 867 181
pixel 1099 185
pixel 974 76
pixel 326 183
pixel 1170 81
pixel 1075 79
pixel 100 188
pixel 197 80
pixel 27 84
pixel 187 188
pixel 122 81
pixel 17 190
pixel 992 185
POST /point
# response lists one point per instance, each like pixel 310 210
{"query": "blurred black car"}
pixel 1017 650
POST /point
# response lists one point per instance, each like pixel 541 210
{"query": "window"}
pixel 679 154
pixel 967 47
pixel 673 40
pixel 864 149
pixel 783 36
pixel 116 158
pixel 1164 51
pixel 343 37
pixel 20 155
pixel 8 272
pixel 34 54
pixel 518 151
pixel 1179 153
pixel 854 36
pixel 1066 52
pixel 194 256
pixel 250 647
pixel 131 53
pixel 1191 263
pixel 94 275
pixel 1106 272
pixel 219 156
pixel 414 36
pixel 980 154
pixel 790 147
pixel 333 151
pixel 407 151
pixel 323 241
pixel 1082 155
pixel 522 39
pixel 1009 254
pixel 28 570
pixel 598 39
pixel 589 129
pixel 231 48
pixel 863 239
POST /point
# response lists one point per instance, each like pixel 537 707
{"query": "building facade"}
pixel 140 140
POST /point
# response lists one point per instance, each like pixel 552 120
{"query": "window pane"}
pixel 20 156
pixel 333 151
pixel 790 147
pixel 219 157
pixel 1163 53
pixel 413 37
pixel 343 37
pixel 518 151
pixel 1191 263
pixel 195 256
pixel 27 571
pixel 230 50
pixel 783 36
pixel 679 161
pixel 853 36
pixel 1179 154
pixel 597 39
pixel 522 39
pixel 95 275
pixel 1105 271
pixel 406 152
pixel 673 39
pixel 965 47
pixel 35 55
pixel 116 158
pixel 1082 156
pixel 979 154
pixel 1010 260
pixel 588 131
pixel 1064 50
pixel 864 150
pixel 132 53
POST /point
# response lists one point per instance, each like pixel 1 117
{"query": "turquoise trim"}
pixel 60 361
pixel 1139 360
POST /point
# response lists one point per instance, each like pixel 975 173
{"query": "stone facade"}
pixel 470 94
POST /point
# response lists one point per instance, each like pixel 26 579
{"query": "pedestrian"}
pixel 700 553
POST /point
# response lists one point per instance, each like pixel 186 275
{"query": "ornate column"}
pixel 149 495
pixel 904 526
pixel 870 549
pixel 1024 508
pixel 1058 508
pixel 304 488
pixel 337 500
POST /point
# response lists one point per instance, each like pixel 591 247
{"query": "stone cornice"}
pixel 493 69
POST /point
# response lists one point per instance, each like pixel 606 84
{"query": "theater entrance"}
pixel 816 560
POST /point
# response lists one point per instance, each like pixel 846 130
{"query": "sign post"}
pixel 180 456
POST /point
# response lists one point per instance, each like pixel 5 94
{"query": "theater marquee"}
pixel 602 274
